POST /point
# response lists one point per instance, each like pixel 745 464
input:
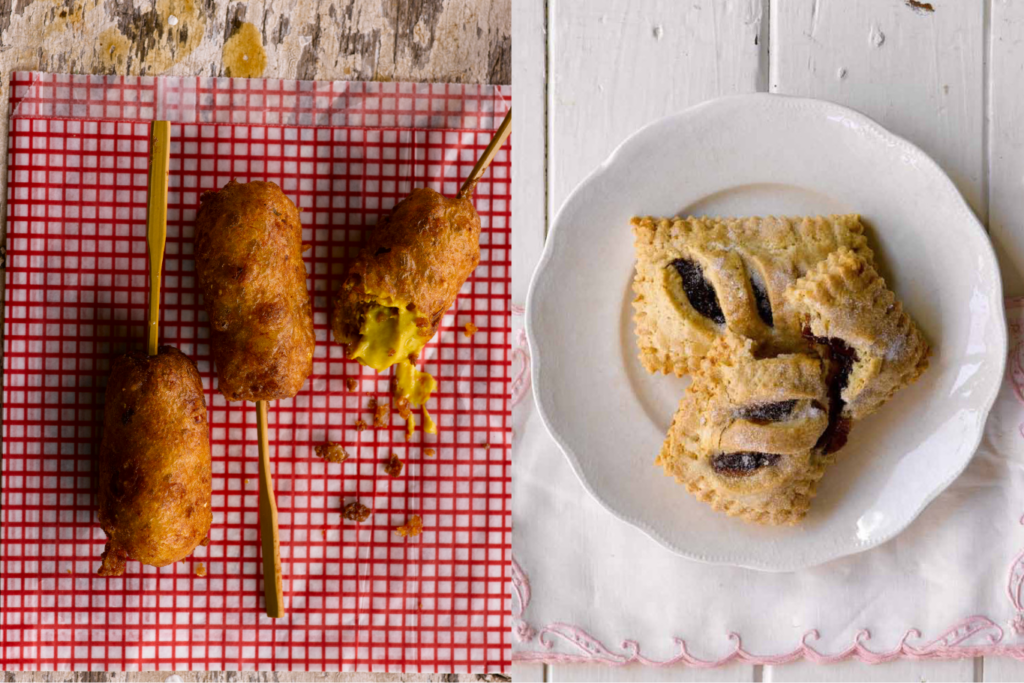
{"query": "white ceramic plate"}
pixel 758 155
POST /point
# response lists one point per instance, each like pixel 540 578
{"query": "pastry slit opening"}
pixel 761 299
pixel 743 463
pixel 840 357
pixel 700 292
pixel 764 413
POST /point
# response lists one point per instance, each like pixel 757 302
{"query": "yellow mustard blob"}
pixel 388 335
pixel 417 387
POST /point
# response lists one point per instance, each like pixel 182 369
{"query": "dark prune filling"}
pixel 698 290
pixel 742 463
pixel 763 413
pixel 841 359
pixel 763 303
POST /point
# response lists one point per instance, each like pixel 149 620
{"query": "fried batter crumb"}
pixel 371 404
pixel 414 527
pixel 470 329
pixel 306 247
pixel 351 384
pixel 393 466
pixel 360 425
pixel 381 415
pixel 356 512
pixel 430 452
pixel 200 569
pixel 402 405
pixel 332 452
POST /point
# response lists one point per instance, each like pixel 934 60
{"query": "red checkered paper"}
pixel 359 596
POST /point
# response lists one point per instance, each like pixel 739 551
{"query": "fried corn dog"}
pixel 154 462
pixel 248 249
pixel 407 275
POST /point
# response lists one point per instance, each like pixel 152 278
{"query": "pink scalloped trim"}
pixel 949 645
pixel 946 646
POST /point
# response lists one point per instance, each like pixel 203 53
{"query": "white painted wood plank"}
pixel 528 142
pixel 918 73
pixel 614 66
pixel 1002 670
pixel 618 64
pixel 902 670
pixel 598 673
pixel 527 673
pixel 1006 142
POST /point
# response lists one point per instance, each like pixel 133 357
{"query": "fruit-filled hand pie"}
pixel 791 335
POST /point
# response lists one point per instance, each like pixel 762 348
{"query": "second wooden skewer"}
pixel 273 591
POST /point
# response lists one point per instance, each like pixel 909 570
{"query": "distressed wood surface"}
pixel 616 65
pixel 529 130
pixel 238 677
pixel 947 76
pixel 1006 144
pixel 1001 670
pixel 918 73
pixel 903 670
pixel 528 673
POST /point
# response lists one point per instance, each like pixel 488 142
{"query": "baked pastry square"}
pixel 874 347
pixel 699 278
pixel 747 438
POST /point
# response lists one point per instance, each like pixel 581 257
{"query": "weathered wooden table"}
pixel 948 75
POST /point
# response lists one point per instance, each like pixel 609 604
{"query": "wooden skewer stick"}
pixel 156 221
pixel 488 156
pixel 272 590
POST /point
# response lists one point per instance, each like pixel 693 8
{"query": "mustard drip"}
pixel 415 386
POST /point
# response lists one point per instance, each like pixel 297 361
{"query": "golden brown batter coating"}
pixel 420 254
pixel 154 464
pixel 248 249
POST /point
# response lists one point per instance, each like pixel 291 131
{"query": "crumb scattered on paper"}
pixel 332 452
pixel 381 415
pixel 414 527
pixel 393 466
pixel 470 329
pixel 360 425
pixel 356 512
pixel 351 384
pixel 200 569
pixel 430 452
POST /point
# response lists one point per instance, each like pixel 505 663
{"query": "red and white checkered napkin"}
pixel 359 597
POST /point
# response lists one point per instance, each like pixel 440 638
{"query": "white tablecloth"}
pixel 588 587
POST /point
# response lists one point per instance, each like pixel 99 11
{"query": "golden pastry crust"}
pixel 248 249
pixel 747 262
pixel 420 254
pixel 844 298
pixel 744 438
pixel 154 461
